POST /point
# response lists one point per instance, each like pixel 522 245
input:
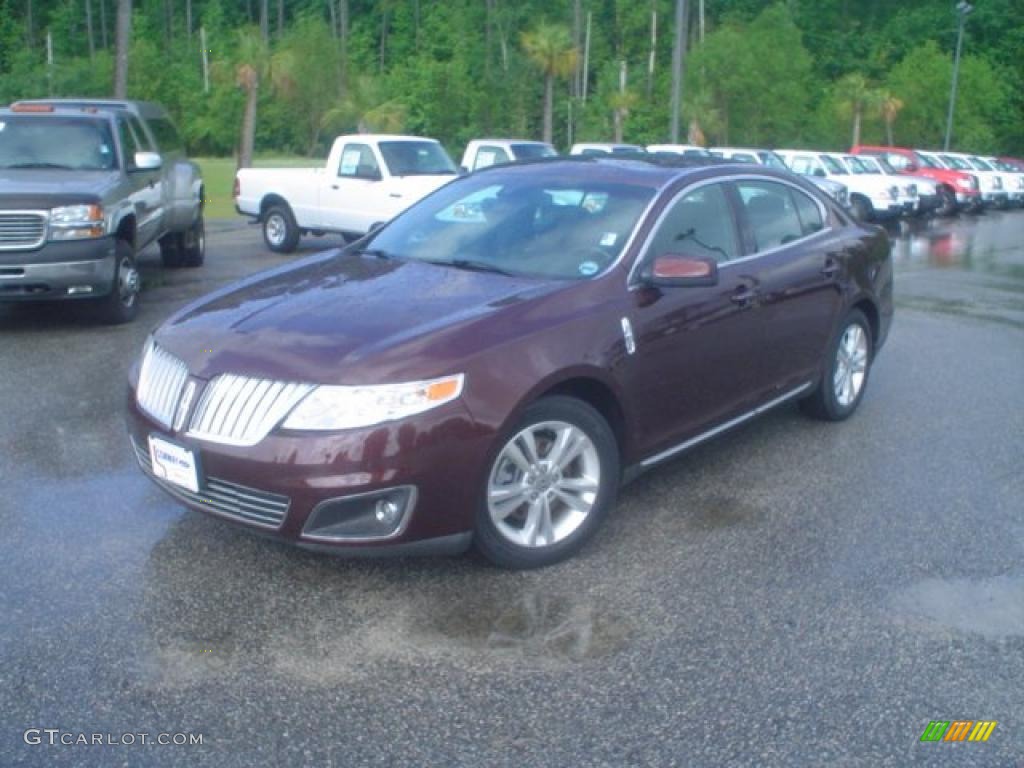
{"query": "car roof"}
pixel 145 109
pixel 62 110
pixel 510 141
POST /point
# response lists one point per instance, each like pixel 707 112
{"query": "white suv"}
pixel 481 153
pixel 1015 184
pixel 871 196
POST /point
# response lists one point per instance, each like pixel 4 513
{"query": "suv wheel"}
pixel 846 371
pixel 552 480
pixel 948 205
pixel 280 232
pixel 121 305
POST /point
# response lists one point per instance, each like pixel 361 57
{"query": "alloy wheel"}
pixel 544 484
pixel 851 365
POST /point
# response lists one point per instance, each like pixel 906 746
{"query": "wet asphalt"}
pixel 793 593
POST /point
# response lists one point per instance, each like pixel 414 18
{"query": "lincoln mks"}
pixel 489 367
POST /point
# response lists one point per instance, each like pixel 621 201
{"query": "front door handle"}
pixel 334 186
pixel 743 296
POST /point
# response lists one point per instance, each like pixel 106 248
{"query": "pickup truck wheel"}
pixel 121 305
pixel 280 232
pixel 860 208
pixel 193 244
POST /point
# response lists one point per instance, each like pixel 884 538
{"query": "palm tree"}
pixel 550 48
pixel 855 96
pixel 890 107
pixel 251 68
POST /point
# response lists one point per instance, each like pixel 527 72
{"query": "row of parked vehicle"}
pixel 876 182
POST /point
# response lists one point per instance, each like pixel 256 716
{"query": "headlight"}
pixel 336 407
pixel 76 222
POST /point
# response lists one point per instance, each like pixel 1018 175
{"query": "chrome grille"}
pixel 237 410
pixel 22 229
pixel 161 379
pixel 224 498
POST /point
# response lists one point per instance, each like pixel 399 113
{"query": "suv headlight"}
pixel 342 407
pixel 77 222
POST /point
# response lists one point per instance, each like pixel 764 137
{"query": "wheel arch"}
pixel 870 311
pixel 271 199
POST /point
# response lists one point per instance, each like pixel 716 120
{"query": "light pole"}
pixel 963 8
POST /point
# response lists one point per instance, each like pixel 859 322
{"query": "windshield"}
pixel 928 162
pixel 416 158
pixel 833 165
pixel 520 226
pixel 980 164
pixel 859 165
pixel 772 160
pixel 68 143
pixel 532 151
pixel 956 162
pixel 875 164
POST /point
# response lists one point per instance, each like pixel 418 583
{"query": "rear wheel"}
pixel 845 374
pixel 280 232
pixel 860 208
pixel 548 486
pixel 185 249
pixel 121 305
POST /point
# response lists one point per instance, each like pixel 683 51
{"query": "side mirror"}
pixel 148 161
pixel 463 170
pixel 375 226
pixel 819 172
pixel 676 269
pixel 910 167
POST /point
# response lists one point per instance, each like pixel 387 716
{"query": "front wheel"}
pixel 280 232
pixel 121 305
pixel 948 205
pixel 548 486
pixel 846 371
pixel 861 209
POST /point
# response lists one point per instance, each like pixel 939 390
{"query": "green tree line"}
pixel 286 75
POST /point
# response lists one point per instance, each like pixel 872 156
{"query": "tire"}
pixel 520 469
pixel 193 243
pixel 185 249
pixel 948 205
pixel 843 383
pixel 121 305
pixel 861 208
pixel 280 232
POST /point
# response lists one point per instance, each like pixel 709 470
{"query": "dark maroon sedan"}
pixel 490 366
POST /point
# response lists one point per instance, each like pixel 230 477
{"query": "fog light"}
pixel 387 512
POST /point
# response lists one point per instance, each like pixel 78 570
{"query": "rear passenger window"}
pixel 488 156
pixel 771 213
pixel 808 211
pixel 700 223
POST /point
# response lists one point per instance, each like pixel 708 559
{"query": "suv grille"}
pixel 237 410
pixel 221 497
pixel 161 379
pixel 22 229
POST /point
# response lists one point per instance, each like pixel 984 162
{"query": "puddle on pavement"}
pixel 961 243
pixel 537 625
pixel 992 608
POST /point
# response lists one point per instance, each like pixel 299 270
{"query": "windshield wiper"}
pixel 473 266
pixel 377 252
pixel 40 165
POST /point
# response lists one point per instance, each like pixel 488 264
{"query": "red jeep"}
pixel 957 189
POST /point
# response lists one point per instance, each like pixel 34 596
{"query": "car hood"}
pixel 45 188
pixel 347 319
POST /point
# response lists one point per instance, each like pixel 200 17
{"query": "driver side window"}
pixel 700 223
pixel 358 161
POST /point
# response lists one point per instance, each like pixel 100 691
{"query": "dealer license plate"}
pixel 173 463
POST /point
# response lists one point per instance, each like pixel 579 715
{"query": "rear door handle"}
pixel 743 295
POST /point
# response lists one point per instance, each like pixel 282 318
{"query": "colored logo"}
pixel 958 730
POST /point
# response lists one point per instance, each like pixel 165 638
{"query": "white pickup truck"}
pixel 368 180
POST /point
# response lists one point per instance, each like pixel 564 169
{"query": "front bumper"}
pixel 281 486
pixel 76 269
